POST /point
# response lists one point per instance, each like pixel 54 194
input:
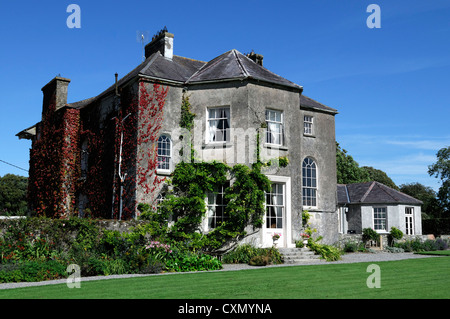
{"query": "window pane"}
pixel 164 145
pixel 274 131
pixel 309 187
pixel 275 206
pixel 219 124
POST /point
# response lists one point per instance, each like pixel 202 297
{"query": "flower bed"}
pixel 36 249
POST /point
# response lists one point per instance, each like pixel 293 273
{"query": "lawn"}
pixel 435 252
pixel 415 278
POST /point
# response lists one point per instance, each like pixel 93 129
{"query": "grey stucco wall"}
pixel 248 103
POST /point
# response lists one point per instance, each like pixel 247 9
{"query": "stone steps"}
pixel 297 255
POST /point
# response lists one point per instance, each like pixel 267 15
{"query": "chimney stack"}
pixel 257 58
pixel 162 42
pixel 55 91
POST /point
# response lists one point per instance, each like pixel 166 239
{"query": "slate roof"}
pixel 231 65
pixel 234 65
pixel 372 193
pixel 309 103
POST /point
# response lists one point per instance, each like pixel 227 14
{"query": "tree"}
pixel 379 176
pixel 426 194
pixel 347 169
pixel 441 169
pixel 13 194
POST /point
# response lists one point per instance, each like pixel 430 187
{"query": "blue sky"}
pixel 390 85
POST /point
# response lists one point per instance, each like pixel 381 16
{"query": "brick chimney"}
pixel 257 58
pixel 162 42
pixel 55 89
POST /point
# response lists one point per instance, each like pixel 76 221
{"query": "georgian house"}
pixel 96 146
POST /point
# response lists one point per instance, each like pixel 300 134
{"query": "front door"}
pixel 275 218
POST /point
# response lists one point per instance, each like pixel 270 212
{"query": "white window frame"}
pixel 287 218
pixel 275 123
pixel 313 187
pixel 166 156
pixel 409 214
pixel 276 204
pixel 375 219
pixel 212 205
pixel 308 125
pixel 209 128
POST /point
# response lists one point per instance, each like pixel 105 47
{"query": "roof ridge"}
pixel 382 187
pixel 271 72
pixel 367 192
pixel 186 58
pixel 244 70
pixel 346 193
pixel 152 59
pixel 207 65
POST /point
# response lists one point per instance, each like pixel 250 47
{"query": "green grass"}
pixel 435 252
pixel 414 278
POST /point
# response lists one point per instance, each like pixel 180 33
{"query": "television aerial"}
pixel 142 37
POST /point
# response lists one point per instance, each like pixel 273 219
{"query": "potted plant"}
pixel 305 238
pixel 275 238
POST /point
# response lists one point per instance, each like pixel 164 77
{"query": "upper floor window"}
pixel 274 131
pixel 309 185
pixel 164 152
pixel 308 125
pixel 218 124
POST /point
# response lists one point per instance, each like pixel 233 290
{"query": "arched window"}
pixel 164 152
pixel 309 182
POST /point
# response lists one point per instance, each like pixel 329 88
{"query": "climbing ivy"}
pixel 185 202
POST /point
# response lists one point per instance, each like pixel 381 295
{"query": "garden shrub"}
pixel 245 252
pixel 370 234
pixel 395 233
pixel 28 246
pixel 416 245
pixel 328 252
pixel 259 260
pixel 353 246
pixel 193 262
pixel 32 271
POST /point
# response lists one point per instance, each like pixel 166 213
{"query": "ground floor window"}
pixel 409 220
pixel 275 206
pixel 216 204
pixel 379 218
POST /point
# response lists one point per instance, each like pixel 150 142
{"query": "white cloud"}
pixel 432 145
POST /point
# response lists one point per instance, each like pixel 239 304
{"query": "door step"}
pixel 298 255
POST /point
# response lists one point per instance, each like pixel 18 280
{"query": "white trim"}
pixel 386 226
pixel 207 132
pixel 316 207
pixel 162 171
pixel 287 222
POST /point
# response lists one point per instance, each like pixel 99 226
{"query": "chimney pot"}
pixel 257 58
pixel 55 91
pixel 162 42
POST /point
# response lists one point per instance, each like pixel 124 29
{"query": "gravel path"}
pixel 347 258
